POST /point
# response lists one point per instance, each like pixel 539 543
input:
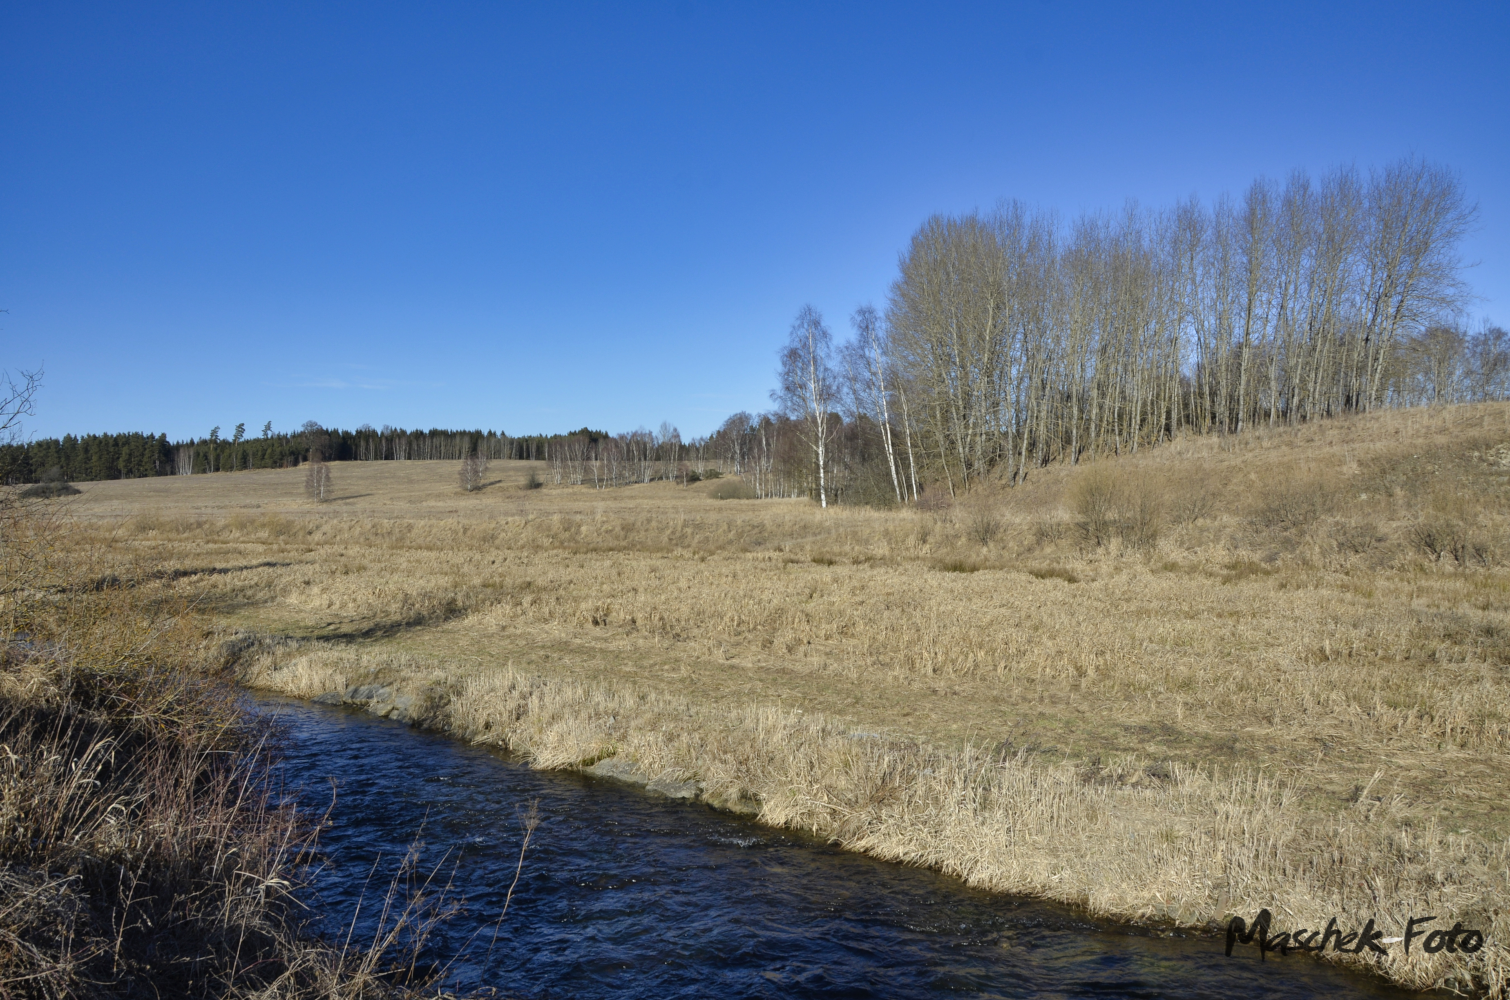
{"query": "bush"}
pixel 1191 498
pixel 1440 536
pixel 1114 504
pixel 732 489
pixel 1293 503
pixel 53 484
pixel 982 524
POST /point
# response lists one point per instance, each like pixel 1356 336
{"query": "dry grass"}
pixel 143 850
pixel 1214 676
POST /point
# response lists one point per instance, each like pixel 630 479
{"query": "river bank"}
pixel 145 849
pixel 626 894
pixel 1168 847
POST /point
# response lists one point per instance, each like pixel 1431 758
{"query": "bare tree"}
pixel 474 467
pixel 865 371
pixel 1014 341
pixel 1431 366
pixel 807 387
pixel 17 400
pixel 317 477
pixel 1488 364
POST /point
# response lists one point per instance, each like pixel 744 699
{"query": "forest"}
pixel 134 456
pixel 1012 339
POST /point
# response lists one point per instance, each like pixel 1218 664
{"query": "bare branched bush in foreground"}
pixel 982 523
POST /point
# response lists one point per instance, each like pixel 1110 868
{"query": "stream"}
pixel 627 894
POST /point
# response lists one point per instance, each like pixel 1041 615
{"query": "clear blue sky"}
pixel 537 216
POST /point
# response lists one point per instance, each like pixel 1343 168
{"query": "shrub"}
pixel 1114 504
pixel 1191 497
pixel 53 484
pixel 732 489
pixel 1293 503
pixel 1355 538
pixel 982 524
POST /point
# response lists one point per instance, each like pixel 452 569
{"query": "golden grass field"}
pixel 1218 675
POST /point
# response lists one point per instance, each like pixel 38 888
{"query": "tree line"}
pixel 1012 339
pixel 135 455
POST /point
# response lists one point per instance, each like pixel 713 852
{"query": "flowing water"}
pixel 627 894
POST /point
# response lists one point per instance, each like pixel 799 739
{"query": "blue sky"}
pixel 533 217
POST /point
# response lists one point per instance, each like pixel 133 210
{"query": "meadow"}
pixel 1217 675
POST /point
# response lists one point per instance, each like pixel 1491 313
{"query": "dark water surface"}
pixel 626 894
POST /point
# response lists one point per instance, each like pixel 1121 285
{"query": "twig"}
pixel 530 820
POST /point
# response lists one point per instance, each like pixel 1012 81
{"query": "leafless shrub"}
pixel 1191 497
pixel 1440 537
pixel 532 481
pixel 1293 503
pixel 982 524
pixel 1355 538
pixel 1112 504
pixel 1049 530
pixel 1450 528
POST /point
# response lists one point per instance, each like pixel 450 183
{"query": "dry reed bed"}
pixel 1180 844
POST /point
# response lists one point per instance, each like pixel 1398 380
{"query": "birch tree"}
pixel 807 387
pixel 865 373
